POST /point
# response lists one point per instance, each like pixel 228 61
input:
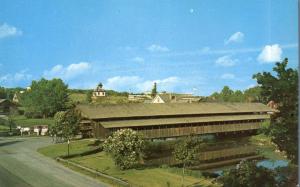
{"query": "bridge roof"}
pixel 181 120
pixel 100 112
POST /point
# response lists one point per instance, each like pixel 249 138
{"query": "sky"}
pixel 193 46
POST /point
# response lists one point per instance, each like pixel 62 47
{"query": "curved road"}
pixel 22 166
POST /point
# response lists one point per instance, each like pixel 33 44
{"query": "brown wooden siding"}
pixel 164 131
pixel 99 131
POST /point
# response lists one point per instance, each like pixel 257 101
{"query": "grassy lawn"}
pixel 138 177
pixel 103 163
pixel 3 128
pixel 60 149
pixel 22 121
pixel 267 148
pixel 111 100
pixel 78 97
pixel 81 98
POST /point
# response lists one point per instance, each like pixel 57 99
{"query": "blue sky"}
pixel 185 46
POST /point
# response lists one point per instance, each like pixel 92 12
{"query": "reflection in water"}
pixel 272 164
pixel 213 155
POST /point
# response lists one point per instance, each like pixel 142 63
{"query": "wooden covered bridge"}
pixel 174 119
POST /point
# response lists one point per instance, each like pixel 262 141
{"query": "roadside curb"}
pixel 119 181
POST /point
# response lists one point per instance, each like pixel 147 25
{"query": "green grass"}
pixel 267 148
pixel 76 147
pixel 103 163
pixel 78 97
pixel 22 121
pixel 111 100
pixel 4 127
pixel 138 177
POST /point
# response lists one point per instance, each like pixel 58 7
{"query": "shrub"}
pixel 247 174
pixel 126 148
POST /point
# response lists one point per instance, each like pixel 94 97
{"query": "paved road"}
pixel 22 166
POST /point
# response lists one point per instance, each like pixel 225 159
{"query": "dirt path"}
pixel 21 164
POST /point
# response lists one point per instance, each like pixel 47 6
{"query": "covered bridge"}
pixel 173 119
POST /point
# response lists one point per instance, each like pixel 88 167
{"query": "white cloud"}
pixel 208 51
pixel 122 83
pixel 191 10
pixel 236 37
pixel 228 76
pixel 270 53
pixel 138 84
pixel 12 79
pixel 8 30
pixel 205 50
pixel 69 72
pixel 226 61
pixel 157 48
pixel 167 84
pixel 138 59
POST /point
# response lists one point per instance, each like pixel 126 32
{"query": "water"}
pixel 273 164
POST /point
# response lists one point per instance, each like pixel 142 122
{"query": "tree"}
pixel 45 98
pixel 226 93
pixel 2 93
pixel 11 123
pixel 89 96
pixel 154 90
pixel 126 148
pixel 253 94
pixel 247 174
pixel 185 152
pixel 237 96
pixel 282 88
pixel 66 125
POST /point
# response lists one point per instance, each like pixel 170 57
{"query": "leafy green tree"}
pixel 247 174
pixel 89 95
pixel 237 96
pixel 2 93
pixel 11 124
pixel 215 96
pixel 186 152
pixel 45 98
pixel 226 94
pixel 126 148
pixel 253 94
pixel 282 88
pixel 66 125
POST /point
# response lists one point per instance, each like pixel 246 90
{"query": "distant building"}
pixel 139 97
pixel 7 106
pixel 175 98
pixel 16 98
pixel 99 91
pixel 163 98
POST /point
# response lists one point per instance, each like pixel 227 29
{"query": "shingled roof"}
pixel 182 120
pixel 169 109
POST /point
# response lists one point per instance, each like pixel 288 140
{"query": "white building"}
pixel 99 91
pixel 175 98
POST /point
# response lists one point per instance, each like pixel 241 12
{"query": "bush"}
pixel 126 148
pixel 247 174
